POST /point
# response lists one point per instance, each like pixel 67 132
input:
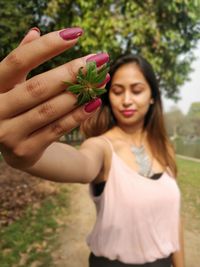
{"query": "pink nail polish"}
pixel 107 79
pixel 92 105
pixel 71 33
pixel 100 59
pixel 35 29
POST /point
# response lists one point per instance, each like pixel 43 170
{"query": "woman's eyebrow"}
pixel 137 83
pixel 117 84
pixel 134 85
pixel 131 85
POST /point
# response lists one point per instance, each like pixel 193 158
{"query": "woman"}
pixel 129 164
pixel 135 192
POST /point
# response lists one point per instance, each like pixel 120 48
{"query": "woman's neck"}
pixel 131 135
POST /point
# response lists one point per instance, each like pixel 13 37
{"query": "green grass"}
pixel 189 181
pixel 32 238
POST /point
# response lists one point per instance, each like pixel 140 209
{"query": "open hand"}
pixel 36 112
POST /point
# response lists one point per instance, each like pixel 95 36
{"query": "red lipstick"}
pixel 128 112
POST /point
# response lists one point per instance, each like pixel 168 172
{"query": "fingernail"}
pixel 107 79
pixel 100 59
pixel 35 29
pixel 71 33
pixel 92 105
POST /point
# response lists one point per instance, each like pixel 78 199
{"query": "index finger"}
pixel 24 58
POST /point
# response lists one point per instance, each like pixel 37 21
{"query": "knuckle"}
pixel 78 116
pixel 35 88
pixel 6 138
pixel 22 150
pixel 49 41
pixel 3 135
pixel 57 129
pixel 65 125
pixel 1 127
pixel 71 71
pixel 14 59
pixel 46 110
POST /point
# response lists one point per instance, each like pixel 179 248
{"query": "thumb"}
pixel 32 34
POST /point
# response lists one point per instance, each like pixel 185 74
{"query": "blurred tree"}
pixel 193 117
pixel 174 120
pixel 162 31
pixel 187 125
pixel 165 32
pixel 194 110
pixel 17 17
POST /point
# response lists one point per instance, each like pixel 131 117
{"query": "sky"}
pixel 190 91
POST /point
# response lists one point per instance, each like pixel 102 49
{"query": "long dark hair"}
pixel 154 121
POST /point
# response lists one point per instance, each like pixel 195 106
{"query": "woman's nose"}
pixel 127 100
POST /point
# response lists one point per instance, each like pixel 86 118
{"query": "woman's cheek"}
pixel 143 101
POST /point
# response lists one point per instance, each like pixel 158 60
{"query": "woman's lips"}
pixel 128 112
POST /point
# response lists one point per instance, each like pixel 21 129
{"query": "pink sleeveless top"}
pixel 137 217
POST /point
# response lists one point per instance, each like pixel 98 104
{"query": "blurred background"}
pixel 167 33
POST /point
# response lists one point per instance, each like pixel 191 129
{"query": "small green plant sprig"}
pixel 86 87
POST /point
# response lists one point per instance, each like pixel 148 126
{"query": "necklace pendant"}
pixel 143 161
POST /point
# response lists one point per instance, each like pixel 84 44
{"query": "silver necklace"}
pixel 143 160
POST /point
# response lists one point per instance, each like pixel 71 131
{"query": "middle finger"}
pixel 44 86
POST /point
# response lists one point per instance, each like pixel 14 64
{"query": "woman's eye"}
pixel 137 89
pixel 137 92
pixel 117 93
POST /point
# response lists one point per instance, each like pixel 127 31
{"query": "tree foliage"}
pixel 193 117
pixel 165 32
pixel 174 119
pixel 178 124
pixel 17 17
pixel 194 111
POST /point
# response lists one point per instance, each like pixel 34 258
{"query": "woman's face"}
pixel 130 95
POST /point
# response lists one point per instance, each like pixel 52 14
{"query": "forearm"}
pixel 178 256
pixel 61 163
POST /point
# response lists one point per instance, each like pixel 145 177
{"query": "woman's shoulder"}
pixel 101 142
pixel 107 141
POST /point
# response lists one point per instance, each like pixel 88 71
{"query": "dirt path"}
pixel 73 251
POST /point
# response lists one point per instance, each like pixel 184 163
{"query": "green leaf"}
pixel 86 84
pixel 80 73
pixel 99 91
pixel 80 76
pixel 68 83
pixel 92 93
pixel 91 71
pixel 83 98
pixel 75 88
pixel 101 76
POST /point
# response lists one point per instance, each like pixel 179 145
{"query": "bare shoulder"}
pixel 98 150
pixel 94 143
pixel 95 146
pixel 101 144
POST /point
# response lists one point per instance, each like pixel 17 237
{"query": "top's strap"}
pixel 109 142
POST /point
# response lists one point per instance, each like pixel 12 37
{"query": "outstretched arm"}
pixel 64 163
